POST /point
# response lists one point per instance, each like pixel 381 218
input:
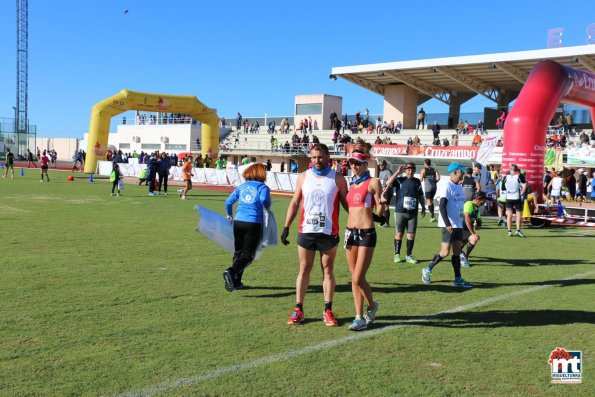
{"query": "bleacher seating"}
pixel 261 141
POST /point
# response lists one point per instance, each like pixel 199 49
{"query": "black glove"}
pixel 284 235
pixel 379 218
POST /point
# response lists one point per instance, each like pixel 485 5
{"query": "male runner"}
pixel 318 193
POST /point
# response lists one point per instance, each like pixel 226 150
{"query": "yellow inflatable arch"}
pixel 103 112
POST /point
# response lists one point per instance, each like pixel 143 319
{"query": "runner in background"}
pixel 430 177
pixel 470 237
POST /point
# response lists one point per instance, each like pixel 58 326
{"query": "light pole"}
pixel 15 129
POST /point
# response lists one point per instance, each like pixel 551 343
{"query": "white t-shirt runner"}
pixel 455 202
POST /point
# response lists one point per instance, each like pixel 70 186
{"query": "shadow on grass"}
pixel 527 262
pixel 283 292
pixel 493 319
pixel 446 286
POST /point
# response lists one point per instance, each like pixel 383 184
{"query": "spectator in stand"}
pixel 344 122
pixel 569 123
pixel 238 121
pixel 409 141
pixel 460 127
pixel 416 141
pixel 421 119
pixel 445 142
pixel 480 127
pixel 436 130
pixel 399 127
pixel 501 119
pixel 378 141
pixel 310 124
pixel 436 141
pixel 476 142
pixel 333 118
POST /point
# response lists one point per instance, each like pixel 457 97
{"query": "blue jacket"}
pixel 252 197
pixel 164 166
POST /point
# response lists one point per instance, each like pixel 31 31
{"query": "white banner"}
pixel 487 148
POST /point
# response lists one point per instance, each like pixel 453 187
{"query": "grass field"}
pixel 108 296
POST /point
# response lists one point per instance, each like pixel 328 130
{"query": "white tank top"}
pixel 320 204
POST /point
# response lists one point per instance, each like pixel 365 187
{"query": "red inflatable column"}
pixel 527 123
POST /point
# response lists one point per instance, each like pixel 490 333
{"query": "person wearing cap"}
pixel 470 236
pixel 319 190
pixel 430 177
pixel 383 175
pixel 452 201
pixel 360 235
pixel 408 196
pixel 514 185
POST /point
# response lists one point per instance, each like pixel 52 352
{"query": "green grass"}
pixel 105 295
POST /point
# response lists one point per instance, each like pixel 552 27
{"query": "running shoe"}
pixel 500 222
pixel 358 324
pixel 151 194
pixel 464 261
pixel 509 233
pixel 426 273
pixel 410 259
pixel 460 283
pixel 183 197
pixel 179 192
pixel 518 233
pixel 370 315
pixel 329 318
pixel 397 258
pixel 296 317
pixel 432 219
pixel 228 278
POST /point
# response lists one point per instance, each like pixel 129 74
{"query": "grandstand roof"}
pixel 487 75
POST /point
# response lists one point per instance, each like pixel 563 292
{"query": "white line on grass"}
pixel 218 373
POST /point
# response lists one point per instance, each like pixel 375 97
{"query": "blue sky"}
pixel 252 57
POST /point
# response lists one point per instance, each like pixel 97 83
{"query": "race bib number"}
pixel 409 203
pixel 316 219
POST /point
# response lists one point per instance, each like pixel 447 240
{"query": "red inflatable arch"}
pixel 526 126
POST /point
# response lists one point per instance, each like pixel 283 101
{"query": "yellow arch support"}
pixel 103 112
